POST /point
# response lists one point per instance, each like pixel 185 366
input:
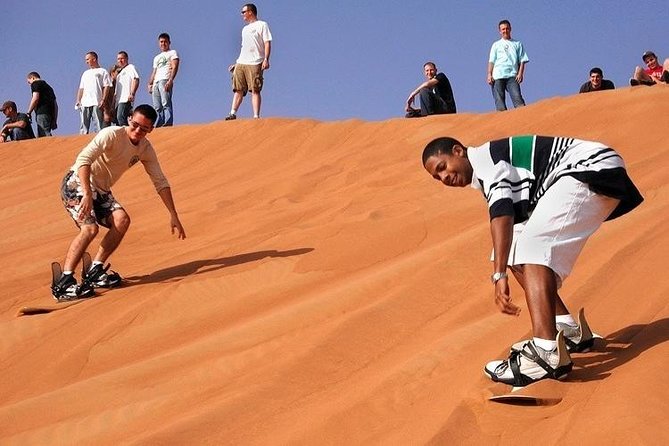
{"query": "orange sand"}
pixel 329 291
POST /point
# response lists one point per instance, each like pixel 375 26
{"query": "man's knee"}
pixel 120 220
pixel 89 230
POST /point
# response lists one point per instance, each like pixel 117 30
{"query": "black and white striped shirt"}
pixel 514 173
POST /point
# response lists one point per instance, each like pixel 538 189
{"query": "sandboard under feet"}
pixel 543 393
pixel 44 309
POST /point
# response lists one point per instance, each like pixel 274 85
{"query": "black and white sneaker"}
pixel 66 288
pixel 531 364
pixel 231 117
pixel 98 277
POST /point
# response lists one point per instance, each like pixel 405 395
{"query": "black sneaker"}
pixel 97 277
pixel 231 117
pixel 67 289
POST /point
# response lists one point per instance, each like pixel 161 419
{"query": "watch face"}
pixel 497 276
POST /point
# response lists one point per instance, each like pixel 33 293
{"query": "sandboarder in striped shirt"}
pixel 546 196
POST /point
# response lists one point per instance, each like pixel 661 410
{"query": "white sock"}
pixel 545 344
pixel 233 111
pixel 68 273
pixel 96 262
pixel 566 319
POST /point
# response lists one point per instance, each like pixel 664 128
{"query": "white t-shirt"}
pixel 124 82
pixel 254 36
pixel 92 82
pixel 162 64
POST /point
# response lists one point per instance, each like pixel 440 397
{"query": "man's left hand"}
pixel 503 298
pixel 176 224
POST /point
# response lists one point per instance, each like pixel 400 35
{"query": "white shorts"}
pixel 556 232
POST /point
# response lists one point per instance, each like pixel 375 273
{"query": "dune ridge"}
pixel 329 292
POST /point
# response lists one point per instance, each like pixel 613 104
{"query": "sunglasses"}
pixel 244 11
pixel 136 125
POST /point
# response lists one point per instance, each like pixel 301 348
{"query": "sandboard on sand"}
pixel 44 309
pixel 542 393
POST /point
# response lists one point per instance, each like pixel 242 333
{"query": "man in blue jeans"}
pixel 43 103
pixel 506 68
pixel 165 68
pixel 436 94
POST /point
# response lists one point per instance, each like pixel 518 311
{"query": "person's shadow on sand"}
pixel 617 349
pixel 179 272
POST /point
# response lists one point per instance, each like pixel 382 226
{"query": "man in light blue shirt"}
pixel 506 68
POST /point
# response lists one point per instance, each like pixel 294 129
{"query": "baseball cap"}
pixel 648 54
pixel 8 104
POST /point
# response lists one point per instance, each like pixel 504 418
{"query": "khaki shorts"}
pixel 247 78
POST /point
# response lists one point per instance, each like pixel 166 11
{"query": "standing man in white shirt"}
pixel 127 82
pixel 165 68
pixel 93 90
pixel 247 72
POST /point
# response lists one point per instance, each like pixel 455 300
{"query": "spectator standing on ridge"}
pixel 93 92
pixel 546 196
pixel 596 82
pixel 87 197
pixel 506 68
pixel 109 110
pixel 653 73
pixel 436 94
pixel 43 103
pixel 17 126
pixel 161 82
pixel 247 72
pixel 127 82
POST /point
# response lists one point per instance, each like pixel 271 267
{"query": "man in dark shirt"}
pixel 596 82
pixel 17 126
pixel 436 95
pixel 43 103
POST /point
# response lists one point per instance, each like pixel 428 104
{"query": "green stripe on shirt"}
pixel 522 149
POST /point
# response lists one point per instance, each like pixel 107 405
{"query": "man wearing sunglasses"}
pixel 247 72
pixel 87 197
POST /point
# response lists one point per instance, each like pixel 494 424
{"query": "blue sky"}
pixel 330 60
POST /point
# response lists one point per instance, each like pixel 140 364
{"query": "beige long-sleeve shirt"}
pixel 111 153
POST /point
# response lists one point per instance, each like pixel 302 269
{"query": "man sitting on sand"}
pixel 17 126
pixel 653 74
pixel 87 197
pixel 436 95
pixel 546 195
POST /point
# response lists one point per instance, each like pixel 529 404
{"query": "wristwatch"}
pixel 495 277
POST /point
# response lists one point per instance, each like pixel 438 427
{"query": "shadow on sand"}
pixel 179 272
pixel 617 349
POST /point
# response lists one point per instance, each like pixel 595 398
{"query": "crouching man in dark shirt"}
pixel 17 126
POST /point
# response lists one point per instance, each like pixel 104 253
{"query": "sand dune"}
pixel 329 292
